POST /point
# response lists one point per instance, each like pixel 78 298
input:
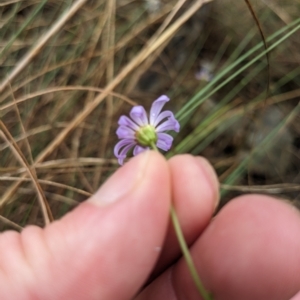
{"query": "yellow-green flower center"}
pixel 146 136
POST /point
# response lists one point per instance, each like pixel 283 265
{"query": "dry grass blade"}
pixel 278 11
pixel 109 41
pixel 270 188
pixel 10 223
pixel 65 163
pixel 5 134
pixel 169 18
pixel 65 88
pixel 265 45
pixel 41 43
pixel 22 128
pixel 47 182
pixel 137 30
pixel 10 2
pixel 148 62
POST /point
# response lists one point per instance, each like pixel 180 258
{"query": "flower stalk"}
pixel 185 251
pixel 187 256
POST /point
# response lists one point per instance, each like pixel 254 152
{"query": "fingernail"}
pixel 123 181
pixel 211 176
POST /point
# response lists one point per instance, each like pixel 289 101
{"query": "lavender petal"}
pixel 164 141
pixel 125 121
pixel 169 124
pixel 156 108
pixel 139 115
pixel 122 147
pixel 139 149
pixel 166 115
pixel 124 132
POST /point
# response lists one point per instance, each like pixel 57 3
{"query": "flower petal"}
pixel 164 141
pixel 124 132
pixel 167 115
pixel 139 149
pixel 125 121
pixel 156 107
pixel 139 115
pixel 169 124
pixel 122 148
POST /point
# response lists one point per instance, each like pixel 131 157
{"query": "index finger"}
pixel 250 250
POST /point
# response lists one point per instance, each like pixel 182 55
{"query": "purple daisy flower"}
pixel 142 133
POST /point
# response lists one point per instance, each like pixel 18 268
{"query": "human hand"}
pixel 108 246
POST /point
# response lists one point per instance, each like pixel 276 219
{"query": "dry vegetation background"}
pixel 70 68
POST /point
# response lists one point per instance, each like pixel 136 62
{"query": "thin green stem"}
pixel 153 146
pixel 187 256
pixel 185 251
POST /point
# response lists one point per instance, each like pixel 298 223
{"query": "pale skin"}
pixel 109 246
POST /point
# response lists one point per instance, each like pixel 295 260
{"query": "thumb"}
pixel 104 249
